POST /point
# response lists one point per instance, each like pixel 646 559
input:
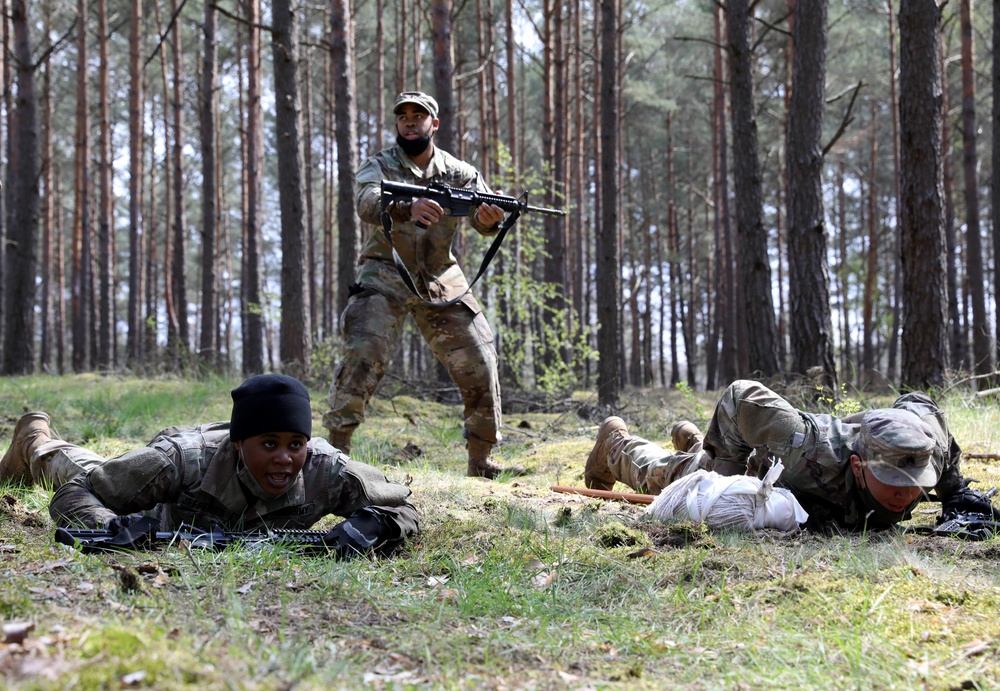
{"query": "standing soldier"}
pixel 457 333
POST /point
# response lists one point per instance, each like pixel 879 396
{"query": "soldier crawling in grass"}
pixel 262 469
pixel 864 471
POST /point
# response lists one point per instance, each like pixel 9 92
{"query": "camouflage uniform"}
pixel 751 421
pixel 459 334
pixel 190 475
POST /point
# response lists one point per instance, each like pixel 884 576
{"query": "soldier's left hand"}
pixel 489 214
pixel 357 535
pixel 967 500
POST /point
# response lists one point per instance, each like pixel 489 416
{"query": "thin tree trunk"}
pixel 295 329
pixel 106 321
pixel 81 277
pixel 208 341
pixel 608 258
pixel 23 215
pixel 956 333
pixel 252 309
pixel 182 342
pixel 342 52
pixel 134 338
pixel 982 352
pixel 47 209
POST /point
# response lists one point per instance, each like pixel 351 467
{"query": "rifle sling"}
pixel 404 273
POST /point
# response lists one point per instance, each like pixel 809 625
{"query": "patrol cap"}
pixel 898 448
pixel 419 98
pixel 270 403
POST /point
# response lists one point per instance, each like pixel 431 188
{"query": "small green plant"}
pixel 840 405
pixel 689 396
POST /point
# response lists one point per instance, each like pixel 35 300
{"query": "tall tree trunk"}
pixel 342 52
pixel 995 158
pixel 208 341
pixel 811 331
pixel 897 264
pixel 252 310
pixel 925 313
pixel 444 69
pixel 295 330
pixel 47 209
pixel 134 337
pixel 106 293
pixel 982 352
pixel 956 333
pixel 23 174
pixel 754 265
pixel 871 272
pixel 82 281
pixel 608 258
pixel 182 342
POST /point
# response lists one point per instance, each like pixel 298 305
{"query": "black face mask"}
pixel 414 147
pixel 878 515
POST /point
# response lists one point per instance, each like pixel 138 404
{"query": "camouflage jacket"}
pixel 822 479
pixel 426 253
pixel 188 475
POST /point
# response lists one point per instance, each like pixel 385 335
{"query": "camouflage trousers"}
pixel 748 417
pixel 56 462
pixel 458 335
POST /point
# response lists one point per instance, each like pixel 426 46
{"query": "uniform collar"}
pixel 221 480
pixel 435 167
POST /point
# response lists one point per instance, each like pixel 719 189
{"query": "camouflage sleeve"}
pixel 135 481
pixel 368 190
pixel 365 486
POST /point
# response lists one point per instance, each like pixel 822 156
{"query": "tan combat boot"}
pixel 596 474
pixel 480 464
pixel 341 439
pixel 685 436
pixel 30 432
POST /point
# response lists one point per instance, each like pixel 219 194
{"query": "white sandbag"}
pixel 735 501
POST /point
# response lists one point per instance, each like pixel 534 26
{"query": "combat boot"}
pixel 30 432
pixel 596 474
pixel 341 439
pixel 686 437
pixel 480 464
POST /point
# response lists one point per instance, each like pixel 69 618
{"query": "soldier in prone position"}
pixel 260 470
pixel 864 471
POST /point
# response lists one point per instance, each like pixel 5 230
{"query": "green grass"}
pixel 509 586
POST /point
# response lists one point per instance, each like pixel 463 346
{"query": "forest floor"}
pixel 510 585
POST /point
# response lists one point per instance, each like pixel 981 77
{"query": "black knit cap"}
pixel 270 403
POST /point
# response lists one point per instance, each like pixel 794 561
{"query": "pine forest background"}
pixel 754 188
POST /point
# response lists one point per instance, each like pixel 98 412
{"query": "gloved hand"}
pixel 359 534
pixel 131 530
pixel 967 500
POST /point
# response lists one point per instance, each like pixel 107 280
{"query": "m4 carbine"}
pixel 90 541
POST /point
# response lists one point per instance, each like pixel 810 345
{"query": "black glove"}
pixel 966 500
pixel 359 534
pixel 132 530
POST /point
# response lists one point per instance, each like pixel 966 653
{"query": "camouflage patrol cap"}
pixel 897 447
pixel 419 98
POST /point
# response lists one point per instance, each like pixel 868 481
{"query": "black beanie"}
pixel 270 403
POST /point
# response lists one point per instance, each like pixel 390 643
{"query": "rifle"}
pixel 90 541
pixel 457 202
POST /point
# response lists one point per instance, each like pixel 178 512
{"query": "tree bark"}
pixel 82 278
pixel 607 254
pixel 345 132
pixel 925 312
pixel 23 174
pixel 252 310
pixel 810 329
pixel 754 264
pixel 208 339
pixel 134 338
pixel 295 329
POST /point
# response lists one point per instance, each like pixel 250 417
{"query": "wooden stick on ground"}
pixel 985 456
pixel 605 494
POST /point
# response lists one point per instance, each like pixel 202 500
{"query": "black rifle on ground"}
pixel 457 202
pixel 143 535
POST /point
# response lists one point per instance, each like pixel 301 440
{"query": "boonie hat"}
pixel 419 98
pixel 899 448
pixel 270 403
